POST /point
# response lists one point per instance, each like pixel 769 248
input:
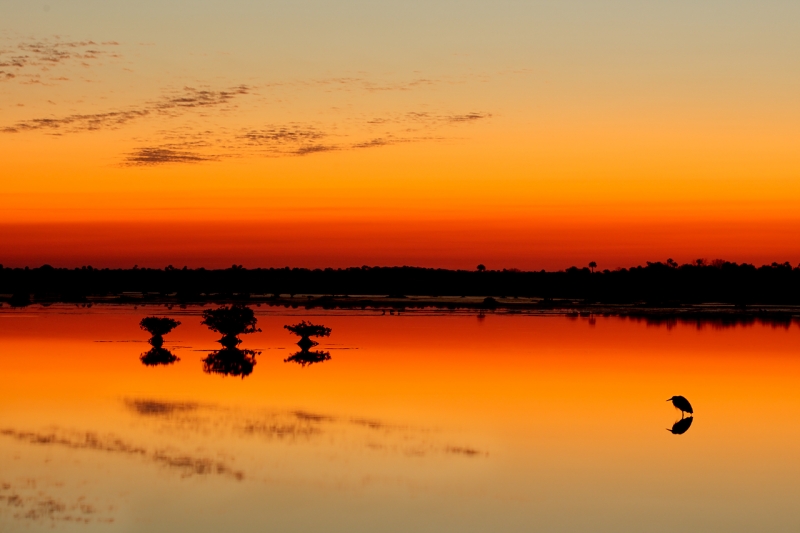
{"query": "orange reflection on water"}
pixel 522 421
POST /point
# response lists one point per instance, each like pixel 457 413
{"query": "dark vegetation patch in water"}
pixel 656 286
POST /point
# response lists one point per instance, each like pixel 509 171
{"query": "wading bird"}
pixel 683 404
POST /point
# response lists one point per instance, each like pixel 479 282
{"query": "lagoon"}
pixel 418 421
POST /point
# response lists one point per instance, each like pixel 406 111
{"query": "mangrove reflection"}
pixel 158 356
pixel 230 322
pixel 157 327
pixel 681 426
pixel 305 357
pixel 306 330
pixel 230 361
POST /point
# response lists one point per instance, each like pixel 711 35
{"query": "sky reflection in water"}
pixel 416 422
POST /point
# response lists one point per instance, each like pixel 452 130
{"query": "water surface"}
pixel 416 422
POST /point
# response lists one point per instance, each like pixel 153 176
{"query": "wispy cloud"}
pixel 359 83
pixel 26 60
pixel 79 122
pixel 373 143
pixel 159 155
pixel 428 119
pixel 203 137
pixel 184 101
pixel 280 135
pixel 297 139
pixel 314 149
pixel 349 83
pixel 469 117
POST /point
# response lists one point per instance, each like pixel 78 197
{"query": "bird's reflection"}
pixel 681 426
pixel 305 357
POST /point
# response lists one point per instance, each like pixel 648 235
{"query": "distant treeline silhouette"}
pixel 657 284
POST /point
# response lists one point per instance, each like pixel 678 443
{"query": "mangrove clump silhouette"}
pixel 230 361
pixel 231 322
pixel 157 327
pixel 306 330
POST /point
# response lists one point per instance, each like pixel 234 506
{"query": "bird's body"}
pixel 682 403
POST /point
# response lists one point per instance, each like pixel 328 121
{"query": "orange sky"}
pixel 527 136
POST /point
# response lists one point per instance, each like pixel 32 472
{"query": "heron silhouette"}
pixel 683 404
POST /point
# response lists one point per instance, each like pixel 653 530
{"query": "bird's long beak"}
pixel 669 399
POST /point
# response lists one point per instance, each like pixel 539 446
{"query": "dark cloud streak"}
pixel 157 156
pixel 315 149
pixel 281 135
pixel 172 106
pixel 290 140
pixel 43 55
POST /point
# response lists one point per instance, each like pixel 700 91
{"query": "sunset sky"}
pixel 526 134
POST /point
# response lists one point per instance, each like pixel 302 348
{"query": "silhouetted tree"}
pixel 481 268
pixel 231 322
pixel 307 329
pixel 592 265
pixel 157 326
pixel 20 299
pixel 657 284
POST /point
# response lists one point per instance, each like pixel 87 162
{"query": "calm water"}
pixel 415 423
